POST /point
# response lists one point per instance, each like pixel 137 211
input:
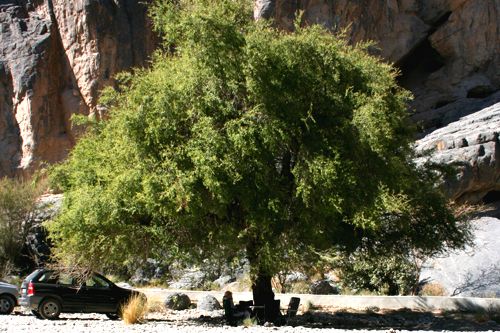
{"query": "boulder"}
pixel 37 245
pixel 208 303
pixel 474 271
pixel 149 270
pixel 190 279
pixel 177 301
pixel 323 287
pixel 224 280
pixel 472 145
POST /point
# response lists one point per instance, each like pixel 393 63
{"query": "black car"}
pixel 48 293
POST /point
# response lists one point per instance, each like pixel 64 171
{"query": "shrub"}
pixel 135 310
pixel 17 202
pixel 249 322
pixel 155 304
pixel 433 289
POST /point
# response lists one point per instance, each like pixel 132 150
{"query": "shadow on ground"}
pixel 386 320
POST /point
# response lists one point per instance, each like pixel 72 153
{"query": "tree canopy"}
pixel 242 139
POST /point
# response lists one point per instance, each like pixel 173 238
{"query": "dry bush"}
pixel 135 310
pixel 156 304
pixel 300 287
pixel 433 289
pixel 17 207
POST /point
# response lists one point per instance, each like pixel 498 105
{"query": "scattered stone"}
pixel 209 303
pixel 323 287
pixel 190 279
pixel 177 301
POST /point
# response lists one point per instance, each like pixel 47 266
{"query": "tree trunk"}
pixel 263 295
pixel 262 290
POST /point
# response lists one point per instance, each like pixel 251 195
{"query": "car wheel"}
pixel 36 314
pixel 113 316
pixel 49 308
pixel 7 304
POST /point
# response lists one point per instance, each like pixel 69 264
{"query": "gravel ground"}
pixel 195 321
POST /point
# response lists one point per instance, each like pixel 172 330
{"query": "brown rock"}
pixel 55 57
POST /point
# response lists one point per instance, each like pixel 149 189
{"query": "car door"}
pixel 71 293
pixel 101 296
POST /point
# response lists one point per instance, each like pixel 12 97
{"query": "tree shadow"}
pixel 400 320
pixel 472 321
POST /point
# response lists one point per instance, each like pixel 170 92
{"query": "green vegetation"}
pixel 17 202
pixel 242 140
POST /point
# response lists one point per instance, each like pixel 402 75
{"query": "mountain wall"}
pixel 56 55
pixel 448 51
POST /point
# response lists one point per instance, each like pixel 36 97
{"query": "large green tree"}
pixel 241 139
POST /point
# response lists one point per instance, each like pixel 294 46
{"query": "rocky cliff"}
pixel 55 57
pixel 448 52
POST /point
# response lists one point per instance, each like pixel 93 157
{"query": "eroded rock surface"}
pixel 55 57
pixel 471 144
pixel 474 271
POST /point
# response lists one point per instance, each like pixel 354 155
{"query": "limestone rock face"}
pixel 472 145
pixel 448 50
pixel 474 271
pixel 55 57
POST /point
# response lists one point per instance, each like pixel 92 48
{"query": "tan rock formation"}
pixel 55 57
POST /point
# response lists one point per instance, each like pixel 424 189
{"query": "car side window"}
pixel 97 282
pixel 65 279
pixel 48 277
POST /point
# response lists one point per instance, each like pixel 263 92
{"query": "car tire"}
pixel 50 308
pixel 36 314
pixel 113 316
pixel 7 304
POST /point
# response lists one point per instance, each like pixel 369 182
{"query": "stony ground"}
pixel 318 321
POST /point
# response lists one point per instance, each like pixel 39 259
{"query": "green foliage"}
pixel 17 201
pixel 245 140
pixel 386 274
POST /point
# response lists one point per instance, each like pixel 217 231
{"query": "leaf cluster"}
pixel 244 138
